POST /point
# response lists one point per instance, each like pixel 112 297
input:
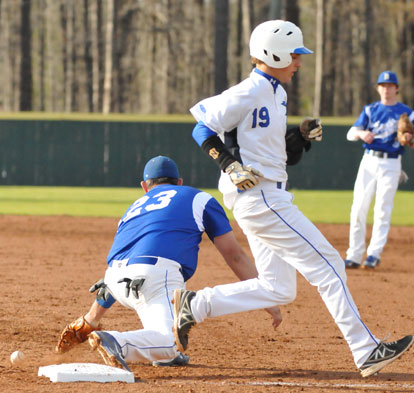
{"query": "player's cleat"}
pixel 109 349
pixel 351 264
pixel 183 317
pixel 179 360
pixel 384 354
pixel 371 262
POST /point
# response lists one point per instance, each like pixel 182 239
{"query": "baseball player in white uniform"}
pixel 379 171
pixel 244 131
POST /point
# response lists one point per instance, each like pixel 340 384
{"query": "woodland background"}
pixel 162 56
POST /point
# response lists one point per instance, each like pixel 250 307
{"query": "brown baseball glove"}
pixel 405 131
pixel 74 334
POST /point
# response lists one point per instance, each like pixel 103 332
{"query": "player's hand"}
pixel 366 136
pixel 276 316
pixel 103 291
pixel 243 177
pixel 311 129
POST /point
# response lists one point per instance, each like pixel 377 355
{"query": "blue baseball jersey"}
pixel 168 221
pixel 382 120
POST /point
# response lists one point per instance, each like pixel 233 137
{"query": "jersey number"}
pixel 162 200
pixel 263 115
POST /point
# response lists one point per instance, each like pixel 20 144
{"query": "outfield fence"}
pixel 65 152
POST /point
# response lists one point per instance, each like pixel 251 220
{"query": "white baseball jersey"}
pixel 257 109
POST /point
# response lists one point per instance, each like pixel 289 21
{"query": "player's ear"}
pixel 180 181
pixel 144 186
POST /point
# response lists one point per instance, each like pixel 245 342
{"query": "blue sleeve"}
pixel 363 119
pixel 201 132
pixel 215 220
pixel 106 303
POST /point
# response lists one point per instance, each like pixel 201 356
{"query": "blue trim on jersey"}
pixel 335 272
pixel 201 132
pixel 275 83
pixel 106 303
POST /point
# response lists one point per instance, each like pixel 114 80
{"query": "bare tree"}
pixel 95 13
pixel 26 80
pixel 87 53
pixel 367 50
pixel 319 58
pixel 275 9
pixel 221 32
pixel 69 60
pixel 108 56
pixel 293 15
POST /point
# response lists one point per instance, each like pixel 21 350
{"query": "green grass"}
pixel 129 117
pixel 319 206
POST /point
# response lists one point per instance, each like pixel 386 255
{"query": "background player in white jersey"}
pixel 379 171
pixel 155 251
pixel 282 239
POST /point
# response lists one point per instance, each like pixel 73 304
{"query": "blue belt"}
pixel 143 260
pixel 279 185
pixel 381 154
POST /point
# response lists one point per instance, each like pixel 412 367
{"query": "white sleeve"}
pixel 352 134
pixel 223 112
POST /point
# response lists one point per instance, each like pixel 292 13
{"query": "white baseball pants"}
pixel 378 176
pixel 156 340
pixel 284 240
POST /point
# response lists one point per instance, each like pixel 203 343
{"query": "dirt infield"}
pixel 48 264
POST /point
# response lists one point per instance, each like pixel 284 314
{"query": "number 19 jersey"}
pixel 256 107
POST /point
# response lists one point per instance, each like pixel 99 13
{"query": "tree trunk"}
pixel 367 51
pixel 26 88
pixel 70 56
pixel 248 20
pixel 108 57
pixel 239 44
pixel 53 87
pixel 7 74
pixel 95 13
pixel 319 59
pixel 275 9
pixel 87 55
pixel 248 24
pixel 292 15
pixel 221 32
pixel 42 57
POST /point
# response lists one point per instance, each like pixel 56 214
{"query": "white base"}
pixel 85 372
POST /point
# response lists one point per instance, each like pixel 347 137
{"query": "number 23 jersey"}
pixel 168 221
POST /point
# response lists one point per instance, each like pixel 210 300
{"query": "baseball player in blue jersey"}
pixel 379 171
pixel 154 252
pixel 244 131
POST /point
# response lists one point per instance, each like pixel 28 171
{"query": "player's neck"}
pixel 389 101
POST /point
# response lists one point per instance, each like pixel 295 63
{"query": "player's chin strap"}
pixel 134 285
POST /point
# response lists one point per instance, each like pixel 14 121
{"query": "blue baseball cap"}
pixel 387 77
pixel 161 166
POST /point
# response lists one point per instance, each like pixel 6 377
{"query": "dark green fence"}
pixel 99 153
